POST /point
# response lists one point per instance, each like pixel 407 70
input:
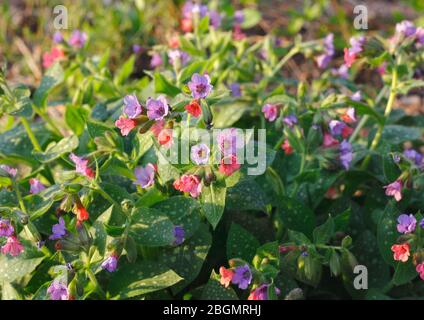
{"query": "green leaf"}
pixel 364 109
pixel 56 149
pixel 246 195
pixel 213 202
pixel 226 113
pixel 251 18
pixel 150 227
pixel 125 71
pixel 134 279
pixel 162 85
pixel 75 119
pixel 296 216
pixel 14 268
pixel 52 78
pixel 323 233
pixel 395 134
pixel 182 211
pixel 404 272
pixel 97 129
pixel 241 243
pixel 214 290
pixel 387 233
pixel 187 259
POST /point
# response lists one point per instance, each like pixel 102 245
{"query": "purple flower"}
pixel 136 48
pixel 145 176
pixel 396 158
pixel 324 59
pixel 179 234
pixel 200 86
pixel 200 153
pixel 58 290
pixel 406 28
pixel 35 186
pixel 156 60
pixel 229 141
pixel 81 166
pixel 11 171
pixel 290 120
pixel 356 44
pixel 346 154
pixel 419 35
pixel 422 223
pixel 239 17
pixel 270 112
pixel 414 156
pixel 157 109
pixel 342 71
pixel 6 229
pixel 235 89
pixel 57 37
pixel 242 277
pixel 178 57
pixel 132 106
pixel 78 39
pixel 215 19
pixel 110 264
pixel 336 127
pixel 59 230
pixel 406 224
pixel 357 96
pixel 261 293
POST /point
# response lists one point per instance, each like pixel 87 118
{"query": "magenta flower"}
pixel 13 247
pixel 242 277
pixel 145 176
pixel 200 153
pixel 394 189
pixel 82 166
pixel 157 109
pixel 200 86
pixel 58 290
pixel 58 230
pixel 110 264
pixel 11 171
pixel 6 229
pixel 406 224
pixel 78 39
pixel 156 60
pixel 35 186
pixel 270 112
pixel 179 235
pixel 132 106
pixel 346 154
pixel 125 125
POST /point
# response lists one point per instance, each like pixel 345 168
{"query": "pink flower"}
pixel 229 165
pixel 381 69
pixel 11 171
pixel 78 39
pixel 349 57
pixel 125 125
pixel 287 147
pixel 165 138
pixel 51 57
pixel 394 189
pixel 270 112
pixel 12 247
pixel 35 186
pixel 82 166
pixel 189 183
pixel 145 175
pixel 420 269
pixel 194 108
pixel 329 141
pixel 226 276
pixel 401 252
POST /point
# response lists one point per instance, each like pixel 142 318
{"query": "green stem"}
pixel 293 51
pixel 93 279
pixel 387 112
pixel 31 134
